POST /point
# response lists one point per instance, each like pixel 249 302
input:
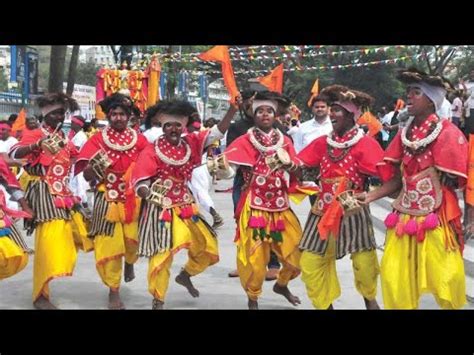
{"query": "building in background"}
pixel 100 55
pixel 85 97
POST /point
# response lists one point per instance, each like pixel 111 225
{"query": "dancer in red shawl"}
pixel 169 218
pixel 13 249
pixel 60 229
pixel 425 163
pixel 334 227
pixel 265 221
pixel 114 223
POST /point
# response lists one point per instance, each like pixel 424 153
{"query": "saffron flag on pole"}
pixel 314 91
pixel 20 122
pixel 368 119
pixel 274 80
pixel 221 54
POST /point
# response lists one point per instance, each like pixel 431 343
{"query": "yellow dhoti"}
pixel 202 252
pixel 79 231
pixel 253 255
pixel 410 268
pixel 55 254
pixel 320 277
pixel 109 251
pixel 13 259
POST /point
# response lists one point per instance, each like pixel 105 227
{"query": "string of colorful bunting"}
pixel 321 67
pixel 278 53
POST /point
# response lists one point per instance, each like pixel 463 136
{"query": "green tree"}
pixel 86 73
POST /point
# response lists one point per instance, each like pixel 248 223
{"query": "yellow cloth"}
pixel 320 277
pixel 410 269
pixel 12 258
pixel 202 253
pixel 109 251
pixel 55 254
pixel 253 255
pixel 79 231
pixel 24 180
pixel 116 210
pixel 301 192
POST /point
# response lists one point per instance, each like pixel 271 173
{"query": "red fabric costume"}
pixel 57 167
pixel 268 189
pixel 174 177
pixel 115 183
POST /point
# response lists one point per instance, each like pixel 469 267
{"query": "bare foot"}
pixel 114 300
pixel 43 303
pixel 184 279
pixel 371 305
pixel 234 273
pixel 157 304
pixel 285 292
pixel 129 272
pixel 253 305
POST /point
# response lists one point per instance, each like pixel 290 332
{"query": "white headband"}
pixel 50 108
pixel 165 118
pixel 257 103
pixel 435 93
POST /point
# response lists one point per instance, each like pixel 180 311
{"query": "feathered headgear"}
pixel 434 87
pixel 352 100
pixel 52 101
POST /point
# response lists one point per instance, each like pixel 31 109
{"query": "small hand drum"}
pixel 219 166
pixel 279 159
pixel 100 162
pixel 157 194
pixel 349 202
pixel 53 143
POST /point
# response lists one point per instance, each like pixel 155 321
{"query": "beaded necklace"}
pixel 257 139
pixel 416 139
pixel 171 161
pixel 124 135
pixel 344 143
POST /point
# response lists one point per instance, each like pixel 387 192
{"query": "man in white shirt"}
pixel 316 127
pixel 6 140
pixel 152 125
pixel 78 137
pixel 153 133
pixel 456 109
pixel 468 87
pixel 308 131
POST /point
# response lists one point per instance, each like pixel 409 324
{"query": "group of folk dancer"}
pixel 143 205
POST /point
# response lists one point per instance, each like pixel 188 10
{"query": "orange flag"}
pixel 314 92
pixel 399 105
pixel 20 122
pixel 274 80
pixel 221 54
pixel 371 121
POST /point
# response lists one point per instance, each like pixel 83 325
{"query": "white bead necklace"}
pixel 415 145
pixel 120 148
pixel 261 147
pixel 171 161
pixel 360 133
